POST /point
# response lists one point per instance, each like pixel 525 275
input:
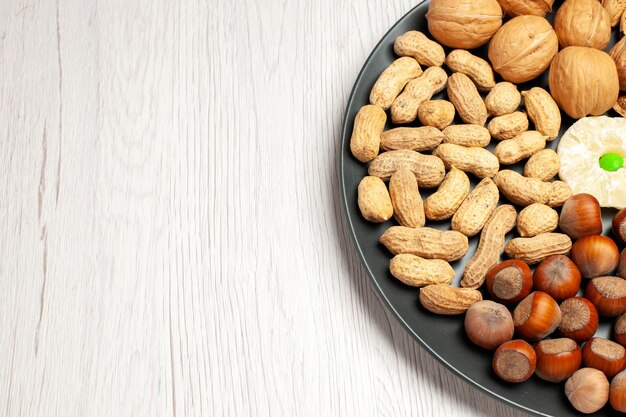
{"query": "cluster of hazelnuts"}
pixel 554 307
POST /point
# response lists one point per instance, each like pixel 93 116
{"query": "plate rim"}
pixel 345 134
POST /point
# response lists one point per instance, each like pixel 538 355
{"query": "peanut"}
pixel 508 126
pixel 417 92
pixel 368 126
pixel 477 69
pixel 415 44
pixel 393 80
pixel 467 135
pixel 503 99
pixel 469 104
pixel 533 250
pixel 490 246
pixel 407 203
pixel 543 111
pixel 374 201
pixel 428 169
pixel 543 165
pixel 476 209
pixel 520 147
pixel 478 161
pixel 615 8
pixel 424 138
pixel 442 204
pixel 418 272
pixel 448 300
pixel 526 191
pixel 425 242
pixel 537 219
pixel 437 113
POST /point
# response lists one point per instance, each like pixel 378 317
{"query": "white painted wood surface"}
pixel 173 243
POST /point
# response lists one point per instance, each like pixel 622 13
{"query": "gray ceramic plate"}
pixel 443 337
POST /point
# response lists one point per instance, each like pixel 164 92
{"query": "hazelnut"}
pixel 581 216
pixel 536 316
pixel 617 393
pixel 621 270
pixel 488 324
pixel 619 331
pixel 514 361
pixel 604 355
pixel 608 295
pixel 587 390
pixel 579 319
pixel 509 282
pixel 557 359
pixel 557 276
pixel 595 256
pixel 619 224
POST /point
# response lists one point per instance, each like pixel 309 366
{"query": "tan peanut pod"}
pixel 425 138
pixel 474 67
pixel 503 99
pixel 374 201
pixel 508 126
pixel 537 219
pixel 533 250
pixel 425 51
pixel 425 242
pixel 478 161
pixel 469 104
pixel 428 169
pixel 408 207
pixel 543 165
pixel 476 209
pixel 543 111
pixel 526 191
pixel 467 135
pixel 436 113
pixel 417 92
pixel 448 300
pixel 615 8
pixel 492 238
pixel 368 126
pixel 393 80
pixel 520 147
pixel 419 272
pixel 442 204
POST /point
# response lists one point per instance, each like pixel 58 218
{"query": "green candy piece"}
pixel 611 162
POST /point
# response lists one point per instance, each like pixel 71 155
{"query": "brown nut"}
pixel 587 390
pixel 581 216
pixel 558 277
pixel 536 316
pixel 474 67
pixel 557 359
pixel 619 57
pixel 393 80
pixel 509 282
pixel 608 295
pixel 615 8
pixel 488 324
pixel 604 355
pixel 582 23
pixel 579 319
pixel 523 48
pixel 526 7
pixel 463 24
pixel 514 361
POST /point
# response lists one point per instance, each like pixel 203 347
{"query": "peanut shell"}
pixel 537 219
pixel 368 126
pixel 543 111
pixel 416 45
pixel 425 242
pixel 393 80
pixel 543 165
pixel 477 69
pixel 463 93
pixel 428 169
pixel 418 272
pixel 448 300
pixel 374 201
pixel 408 207
pixel 508 126
pixel 478 161
pixel 419 139
pixel 526 191
pixel 504 98
pixel 442 204
pixel 476 209
pixel 533 250
pixel 467 135
pixel 417 92
pixel 520 147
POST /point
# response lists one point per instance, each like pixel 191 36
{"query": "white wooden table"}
pixel 172 240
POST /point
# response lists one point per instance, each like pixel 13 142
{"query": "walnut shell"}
pixel 464 24
pixel 618 55
pixel 583 23
pixel 523 48
pixel 524 7
pixel 584 81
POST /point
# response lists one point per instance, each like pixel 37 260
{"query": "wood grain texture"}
pixel 173 243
